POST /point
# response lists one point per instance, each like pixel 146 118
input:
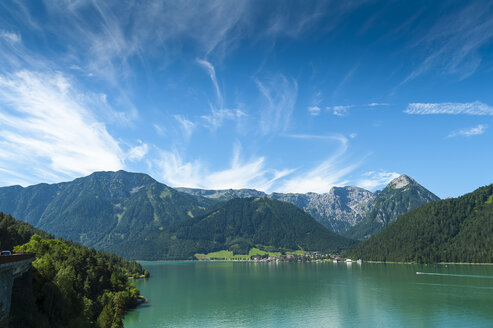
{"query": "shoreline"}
pixel 373 262
pixel 438 263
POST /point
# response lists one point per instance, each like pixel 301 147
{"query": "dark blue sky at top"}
pixel 289 96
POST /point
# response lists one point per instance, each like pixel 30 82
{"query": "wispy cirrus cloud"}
pixel 454 42
pixel 45 125
pixel 474 131
pixel 255 173
pixel 186 126
pixel 241 174
pixel 333 171
pixel 212 74
pixel 217 116
pixel 215 119
pixel 10 36
pixel 280 94
pixel 104 37
pixel 374 179
pixel 472 108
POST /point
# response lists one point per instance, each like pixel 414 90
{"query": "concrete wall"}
pixel 9 272
pixel 6 283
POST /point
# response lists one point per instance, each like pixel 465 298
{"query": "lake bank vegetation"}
pixel 72 285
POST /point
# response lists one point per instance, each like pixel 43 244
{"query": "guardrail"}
pixel 15 257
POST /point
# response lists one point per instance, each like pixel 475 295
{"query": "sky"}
pixel 285 96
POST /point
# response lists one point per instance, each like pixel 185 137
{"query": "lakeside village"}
pixel 316 257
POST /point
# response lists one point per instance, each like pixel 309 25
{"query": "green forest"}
pixel 450 230
pixel 72 285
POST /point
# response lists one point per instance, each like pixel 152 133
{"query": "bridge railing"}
pixel 15 257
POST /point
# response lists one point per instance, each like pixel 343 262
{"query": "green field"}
pixel 226 255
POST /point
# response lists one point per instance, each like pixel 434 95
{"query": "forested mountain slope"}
pixel 449 230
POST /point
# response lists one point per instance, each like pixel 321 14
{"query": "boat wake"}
pixel 455 275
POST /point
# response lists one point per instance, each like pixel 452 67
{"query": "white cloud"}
pixel 477 130
pixel 217 116
pixel 331 172
pixel 339 110
pixel 137 153
pixel 310 136
pixel 10 37
pixel 45 125
pixel 159 130
pixel 254 173
pixel 371 180
pixel 375 104
pixel 472 108
pixel 314 110
pixel 241 174
pixel 212 74
pixel 186 125
pixel 281 94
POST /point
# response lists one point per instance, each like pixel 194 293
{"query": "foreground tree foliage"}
pixel 450 230
pixel 72 285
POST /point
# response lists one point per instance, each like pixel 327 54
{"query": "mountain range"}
pixel 137 217
pixel 352 211
pixel 134 216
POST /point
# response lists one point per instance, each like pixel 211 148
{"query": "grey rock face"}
pixel 339 209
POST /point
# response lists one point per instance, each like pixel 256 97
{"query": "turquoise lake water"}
pixel 239 294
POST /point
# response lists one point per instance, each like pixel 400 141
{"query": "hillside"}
pixel 72 285
pixel 241 224
pixel 450 230
pixel 237 225
pixel 102 208
pixel 401 195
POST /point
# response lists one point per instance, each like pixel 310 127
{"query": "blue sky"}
pixel 289 96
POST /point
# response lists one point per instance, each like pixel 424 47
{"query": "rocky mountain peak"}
pixel 401 181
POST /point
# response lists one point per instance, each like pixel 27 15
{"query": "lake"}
pixel 239 294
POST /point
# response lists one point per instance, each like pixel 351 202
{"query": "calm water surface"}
pixel 224 294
